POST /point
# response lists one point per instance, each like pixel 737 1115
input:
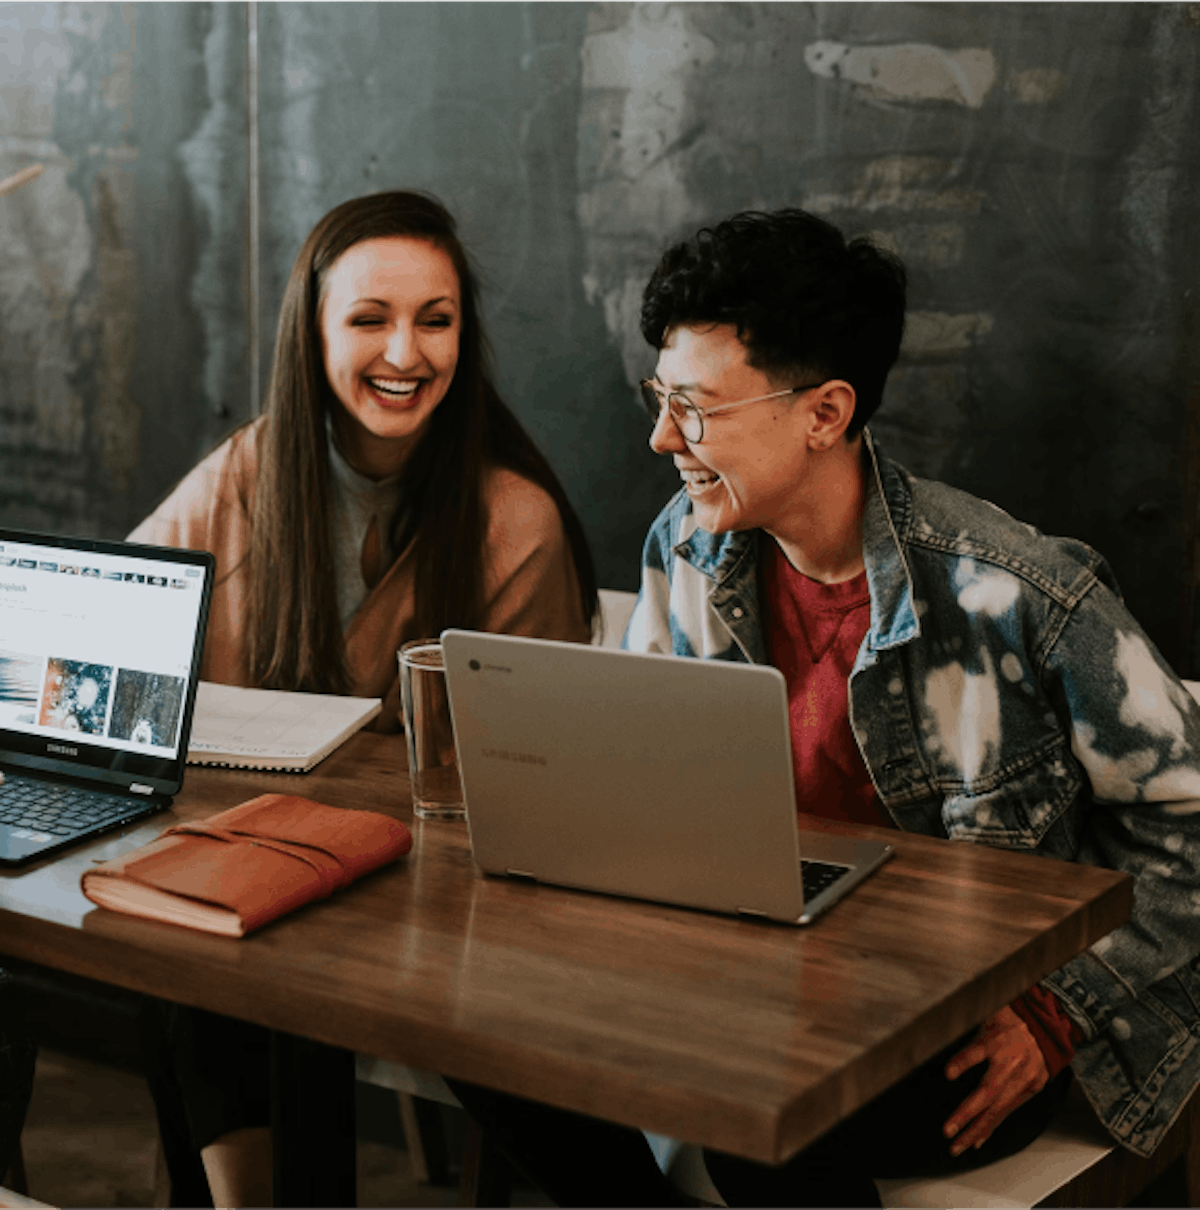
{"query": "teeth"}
pixel 699 477
pixel 392 386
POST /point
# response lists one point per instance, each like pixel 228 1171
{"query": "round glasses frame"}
pixel 688 418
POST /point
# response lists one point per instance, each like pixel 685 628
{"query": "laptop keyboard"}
pixel 818 876
pixel 55 809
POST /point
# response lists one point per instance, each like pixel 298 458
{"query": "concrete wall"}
pixel 122 310
pixel 1034 164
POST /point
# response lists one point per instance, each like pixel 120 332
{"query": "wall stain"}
pixel 902 183
pixel 212 159
pixel 637 132
pixel 936 334
pixel 910 72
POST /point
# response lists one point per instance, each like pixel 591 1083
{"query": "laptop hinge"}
pixel 750 912
pixel 521 874
pixel 136 788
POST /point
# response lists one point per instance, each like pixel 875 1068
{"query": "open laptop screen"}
pixel 100 644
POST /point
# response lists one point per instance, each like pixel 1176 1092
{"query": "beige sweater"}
pixel 529 582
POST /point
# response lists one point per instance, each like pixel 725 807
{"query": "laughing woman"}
pixel 386 493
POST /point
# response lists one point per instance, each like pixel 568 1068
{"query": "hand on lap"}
pixel 1016 1071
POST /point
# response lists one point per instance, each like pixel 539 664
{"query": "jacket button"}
pixel 737 611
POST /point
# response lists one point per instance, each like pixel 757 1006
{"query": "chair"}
pixel 616 608
pixel 17 1180
pixel 419 1092
pixel 1074 1163
pixel 17 1198
pixel 10 1198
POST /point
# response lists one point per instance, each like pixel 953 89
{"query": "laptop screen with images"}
pixel 100 643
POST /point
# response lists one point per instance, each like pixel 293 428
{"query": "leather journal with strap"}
pixel 242 868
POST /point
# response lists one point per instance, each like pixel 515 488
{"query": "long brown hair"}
pixel 295 638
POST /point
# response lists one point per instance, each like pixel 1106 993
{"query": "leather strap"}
pixel 331 871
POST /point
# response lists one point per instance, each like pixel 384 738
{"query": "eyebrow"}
pixel 685 388
pixel 429 302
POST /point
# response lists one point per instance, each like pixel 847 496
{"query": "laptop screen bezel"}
pixel 104 766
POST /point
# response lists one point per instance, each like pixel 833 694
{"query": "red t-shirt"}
pixel 1055 1033
pixel 814 632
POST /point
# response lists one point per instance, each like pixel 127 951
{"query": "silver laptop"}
pixel 642 775
pixel 100 646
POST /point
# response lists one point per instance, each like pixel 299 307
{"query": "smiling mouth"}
pixel 399 389
pixel 699 481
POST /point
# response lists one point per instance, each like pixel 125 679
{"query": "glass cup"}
pixel 432 758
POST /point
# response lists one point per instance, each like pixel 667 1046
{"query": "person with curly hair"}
pixel 949 670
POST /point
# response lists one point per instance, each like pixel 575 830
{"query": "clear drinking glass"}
pixel 432 759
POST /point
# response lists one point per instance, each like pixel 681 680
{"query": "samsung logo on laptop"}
pixel 62 749
pixel 521 758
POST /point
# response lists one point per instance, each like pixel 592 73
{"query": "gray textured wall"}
pixel 122 302
pixel 1035 165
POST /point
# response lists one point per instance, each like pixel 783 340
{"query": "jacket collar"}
pixel 715 555
pixel 887 523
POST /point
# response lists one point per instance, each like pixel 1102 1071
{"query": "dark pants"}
pixel 208 1075
pixel 581 1161
pixel 18 1057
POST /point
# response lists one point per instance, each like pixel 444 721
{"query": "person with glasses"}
pixel 949 671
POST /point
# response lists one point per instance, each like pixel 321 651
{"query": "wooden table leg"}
pixel 425 1138
pixel 312 1122
pixel 487 1178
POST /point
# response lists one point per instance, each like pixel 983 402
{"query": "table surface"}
pixel 740 1034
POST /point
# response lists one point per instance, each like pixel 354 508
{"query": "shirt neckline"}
pixel 842 596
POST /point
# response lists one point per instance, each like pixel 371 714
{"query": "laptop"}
pixel 100 646
pixel 649 776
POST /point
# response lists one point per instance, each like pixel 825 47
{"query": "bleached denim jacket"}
pixel 1003 695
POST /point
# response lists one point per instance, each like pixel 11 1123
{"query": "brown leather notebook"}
pixel 242 868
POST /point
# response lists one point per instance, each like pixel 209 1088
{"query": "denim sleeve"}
pixel 649 628
pixel 1135 730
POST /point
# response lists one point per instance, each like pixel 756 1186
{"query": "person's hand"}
pixel 1016 1071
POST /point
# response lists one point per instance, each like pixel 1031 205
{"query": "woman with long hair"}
pixel 386 493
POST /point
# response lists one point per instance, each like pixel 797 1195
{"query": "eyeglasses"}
pixel 688 418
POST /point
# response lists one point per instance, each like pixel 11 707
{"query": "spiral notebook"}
pixel 272 729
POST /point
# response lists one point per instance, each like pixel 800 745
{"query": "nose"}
pixel 402 348
pixel 665 437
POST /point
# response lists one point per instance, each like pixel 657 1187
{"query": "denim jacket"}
pixel 1003 695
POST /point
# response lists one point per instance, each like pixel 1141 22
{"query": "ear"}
pixel 830 410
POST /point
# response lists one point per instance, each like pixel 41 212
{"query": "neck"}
pixel 373 457
pixel 822 536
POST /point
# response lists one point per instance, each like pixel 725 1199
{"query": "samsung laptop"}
pixel 642 775
pixel 100 646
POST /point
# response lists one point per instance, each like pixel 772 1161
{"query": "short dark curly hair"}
pixel 804 301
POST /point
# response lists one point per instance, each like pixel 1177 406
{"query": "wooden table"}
pixel 743 1035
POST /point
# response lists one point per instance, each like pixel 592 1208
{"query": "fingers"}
pixel 975 1119
pixel 1016 1071
pixel 980 1115
pixel 970 1056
